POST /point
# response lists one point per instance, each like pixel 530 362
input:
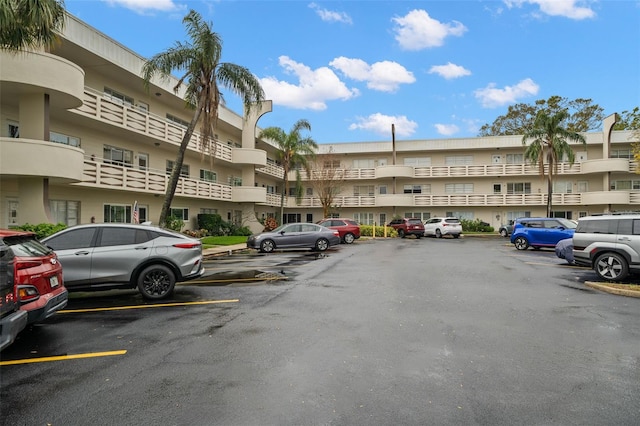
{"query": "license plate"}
pixel 53 281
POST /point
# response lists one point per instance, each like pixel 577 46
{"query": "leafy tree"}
pixel 327 179
pixel 628 120
pixel 549 144
pixel 199 59
pixel 30 24
pixel 582 116
pixel 293 152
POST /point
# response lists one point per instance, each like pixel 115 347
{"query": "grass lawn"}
pixel 223 241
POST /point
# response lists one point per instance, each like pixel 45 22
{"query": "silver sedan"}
pixel 295 235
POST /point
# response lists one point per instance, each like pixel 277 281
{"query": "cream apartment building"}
pixel 82 140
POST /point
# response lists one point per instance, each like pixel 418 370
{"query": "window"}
pixel 417 161
pixel 364 163
pixel 64 139
pixel 309 217
pixel 237 217
pixel 460 215
pixel 363 218
pixel 309 192
pixel 383 219
pixel 515 158
pixel 622 153
pixel 141 106
pixel 118 97
pixel 63 211
pixel 117 213
pixel 123 236
pixel 420 215
pixel 331 164
pixel 271 189
pixel 208 176
pixel 74 239
pixel 458 160
pixel 180 213
pixel 208 211
pixel 175 120
pixel 143 161
pixel 562 187
pixel 519 188
pixel 513 215
pixel 458 188
pixel 235 181
pixel 119 156
pixel 413 189
pixel 184 172
pixel 565 214
pixel 12 212
pixel 382 189
pixel 13 130
pixel 496 159
pixel 497 188
pixel 621 185
pixel 363 190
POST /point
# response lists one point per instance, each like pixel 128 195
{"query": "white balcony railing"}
pixel 113 176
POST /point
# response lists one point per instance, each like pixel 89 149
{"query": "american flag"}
pixel 136 217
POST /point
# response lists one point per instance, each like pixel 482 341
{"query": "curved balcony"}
pixel 605 197
pixel 394 171
pixel 28 157
pixel 256 157
pixel 606 165
pixel 28 73
pixel 248 194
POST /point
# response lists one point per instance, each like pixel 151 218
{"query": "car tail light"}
pixel 27 293
pixel 188 245
pixel 26 264
pixel 336 233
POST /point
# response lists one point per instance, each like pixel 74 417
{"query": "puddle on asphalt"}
pixel 240 278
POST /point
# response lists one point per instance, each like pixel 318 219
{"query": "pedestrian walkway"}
pixel 220 250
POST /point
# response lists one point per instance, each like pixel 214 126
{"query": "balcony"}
pixel 28 157
pixel 606 165
pixel 248 194
pixel 112 176
pixel 143 122
pixel 256 157
pixel 394 171
pixel 608 197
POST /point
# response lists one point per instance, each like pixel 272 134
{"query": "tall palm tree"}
pixel 293 152
pixel 199 59
pixel 30 24
pixel 549 144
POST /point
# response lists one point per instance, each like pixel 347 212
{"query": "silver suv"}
pixel 610 244
pixel 119 255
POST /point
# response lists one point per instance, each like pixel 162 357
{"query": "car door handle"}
pixel 81 253
pixel 141 248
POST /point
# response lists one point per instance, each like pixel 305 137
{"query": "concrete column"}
pixel 34 198
pixel 33 117
pixel 607 127
pixel 249 137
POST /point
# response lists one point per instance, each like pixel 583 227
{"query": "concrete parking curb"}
pixel 613 290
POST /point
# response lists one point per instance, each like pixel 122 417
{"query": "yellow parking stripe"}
pixel 161 305
pixel 62 357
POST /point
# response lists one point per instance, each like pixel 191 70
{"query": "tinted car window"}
pixel 26 246
pixel 309 228
pixel 75 239
pixel 598 226
pixel 122 236
pixel 415 221
pixel 452 220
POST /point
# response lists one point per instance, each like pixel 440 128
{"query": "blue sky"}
pixel 435 69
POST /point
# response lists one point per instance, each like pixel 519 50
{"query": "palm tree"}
pixel 199 59
pixel 293 152
pixel 549 145
pixel 30 24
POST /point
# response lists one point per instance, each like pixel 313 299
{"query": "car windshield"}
pixel 24 246
pixel 568 224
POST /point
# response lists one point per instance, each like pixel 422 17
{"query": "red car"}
pixel 37 274
pixel 348 229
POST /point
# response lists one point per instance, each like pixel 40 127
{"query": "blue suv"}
pixel 540 232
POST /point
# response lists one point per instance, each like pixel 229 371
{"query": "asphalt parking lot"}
pixel 401 331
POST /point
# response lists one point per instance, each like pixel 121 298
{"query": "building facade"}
pixel 82 140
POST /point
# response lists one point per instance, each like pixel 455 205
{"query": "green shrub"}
pixel 367 231
pixel 175 223
pixel 215 226
pixel 475 225
pixel 42 229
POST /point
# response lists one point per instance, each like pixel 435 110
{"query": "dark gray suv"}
pixel 610 244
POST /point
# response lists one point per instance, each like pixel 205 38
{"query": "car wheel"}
pixel 611 266
pixel 349 238
pixel 438 233
pixel 521 243
pixel 456 235
pixel 267 246
pixel 400 233
pixel 156 282
pixel 503 233
pixel 418 236
pixel 322 244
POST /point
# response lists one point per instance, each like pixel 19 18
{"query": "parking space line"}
pixel 159 305
pixel 62 357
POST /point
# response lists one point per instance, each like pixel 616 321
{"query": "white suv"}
pixel 610 244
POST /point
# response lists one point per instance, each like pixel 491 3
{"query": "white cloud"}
pixel 417 30
pixel 142 6
pixel 331 16
pixel 381 124
pixel 568 8
pixel 492 97
pixel 447 129
pixel 385 76
pixel 313 89
pixel 449 71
